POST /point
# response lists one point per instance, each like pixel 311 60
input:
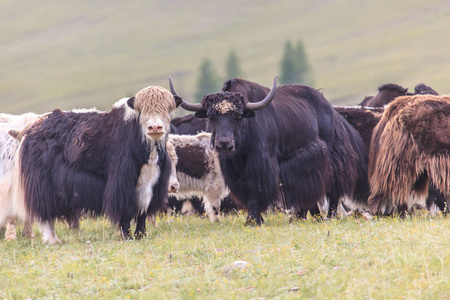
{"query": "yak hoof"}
pixel 254 221
pixel 367 214
pixel 10 233
pixel 51 241
pixel 139 235
pixel 10 237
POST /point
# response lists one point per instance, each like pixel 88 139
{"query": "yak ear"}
pixel 201 114
pixel 130 102
pixel 248 113
pixel 15 134
pixel 178 100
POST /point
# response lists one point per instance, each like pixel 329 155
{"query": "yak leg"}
pixel 187 208
pixel 212 208
pixel 152 218
pixel 342 212
pixel 447 208
pixel 27 231
pixel 403 210
pixel 254 213
pixel 374 203
pixel 48 232
pixel 323 208
pixel 74 223
pixel 334 202
pixel 315 212
pixel 10 233
pixel 28 228
pixel 302 214
pixel 125 229
pixel 140 227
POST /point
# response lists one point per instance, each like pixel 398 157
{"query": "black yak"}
pixel 294 151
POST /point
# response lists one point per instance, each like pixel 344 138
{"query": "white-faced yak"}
pixel 73 163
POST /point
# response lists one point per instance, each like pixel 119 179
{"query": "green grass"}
pixel 89 54
pixel 190 258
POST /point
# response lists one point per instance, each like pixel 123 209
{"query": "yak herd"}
pixel 247 147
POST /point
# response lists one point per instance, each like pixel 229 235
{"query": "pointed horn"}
pixel 184 104
pixel 266 101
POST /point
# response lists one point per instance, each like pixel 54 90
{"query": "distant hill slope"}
pixel 86 53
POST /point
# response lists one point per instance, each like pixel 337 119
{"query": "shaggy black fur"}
pixel 188 125
pixel 362 119
pixel 386 94
pixel 292 152
pixel 76 163
pixel 423 89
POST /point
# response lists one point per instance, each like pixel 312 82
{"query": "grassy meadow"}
pixel 190 258
pixel 82 54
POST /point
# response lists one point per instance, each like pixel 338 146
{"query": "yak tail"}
pixel 349 159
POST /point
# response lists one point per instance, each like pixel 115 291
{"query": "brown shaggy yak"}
pixel 410 146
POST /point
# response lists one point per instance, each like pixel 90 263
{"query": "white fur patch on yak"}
pixel 211 186
pixel 224 107
pixel 146 181
pixel 10 212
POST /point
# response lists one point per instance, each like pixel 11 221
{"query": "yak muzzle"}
pixel 173 188
pixel 155 131
pixel 224 146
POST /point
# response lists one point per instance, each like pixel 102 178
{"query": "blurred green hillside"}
pixel 66 54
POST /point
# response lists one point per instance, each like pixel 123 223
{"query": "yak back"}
pixel 363 119
pixel 428 120
pixel 295 117
pixel 188 125
pixel 386 94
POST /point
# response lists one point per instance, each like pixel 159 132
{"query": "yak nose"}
pixel 224 146
pixel 173 188
pixel 155 130
pixel 155 127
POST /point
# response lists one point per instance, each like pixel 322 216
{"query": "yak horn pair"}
pixel 250 105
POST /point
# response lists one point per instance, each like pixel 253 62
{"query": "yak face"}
pixel 152 106
pixel 174 184
pixel 224 111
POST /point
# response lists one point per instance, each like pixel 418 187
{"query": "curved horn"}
pixel 266 101
pixel 184 104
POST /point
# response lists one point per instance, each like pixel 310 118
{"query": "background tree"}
pixel 208 80
pixel 287 65
pixel 232 66
pixel 294 65
pixel 304 70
